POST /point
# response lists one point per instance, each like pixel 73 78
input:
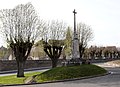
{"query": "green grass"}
pixel 60 73
pixel 12 79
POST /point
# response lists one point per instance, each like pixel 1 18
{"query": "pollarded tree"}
pixel 21 27
pixel 99 51
pixel 92 51
pixel 54 36
pixel 85 35
pixel 106 52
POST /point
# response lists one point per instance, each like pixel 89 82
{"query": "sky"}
pixel 102 15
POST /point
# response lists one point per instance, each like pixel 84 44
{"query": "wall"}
pixel 12 65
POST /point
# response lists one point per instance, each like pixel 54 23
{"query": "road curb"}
pixel 65 80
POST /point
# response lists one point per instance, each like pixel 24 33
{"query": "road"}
pixel 25 72
pixel 14 72
pixel 111 80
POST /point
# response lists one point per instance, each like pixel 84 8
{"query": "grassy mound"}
pixel 70 72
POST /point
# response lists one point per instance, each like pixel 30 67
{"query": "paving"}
pixel 13 72
pixel 111 80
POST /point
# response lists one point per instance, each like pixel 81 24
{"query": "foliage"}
pixel 3 52
pixel 68 42
pixel 38 50
pixel 61 73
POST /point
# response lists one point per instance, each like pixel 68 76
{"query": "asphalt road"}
pixel 14 72
pixel 111 80
pixel 6 74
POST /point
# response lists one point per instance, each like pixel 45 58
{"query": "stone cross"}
pixel 74 21
pixel 75 42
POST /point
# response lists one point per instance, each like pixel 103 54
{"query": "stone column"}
pixel 75 42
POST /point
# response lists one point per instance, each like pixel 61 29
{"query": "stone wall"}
pixel 12 65
pixel 6 65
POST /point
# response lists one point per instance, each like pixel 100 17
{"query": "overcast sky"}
pixel 102 15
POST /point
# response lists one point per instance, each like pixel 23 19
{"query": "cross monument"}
pixel 75 42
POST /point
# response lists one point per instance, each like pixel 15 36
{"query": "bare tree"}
pixel 21 27
pixel 85 35
pixel 53 40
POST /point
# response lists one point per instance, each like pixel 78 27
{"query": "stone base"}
pixel 86 61
pixel 75 62
pixel 72 62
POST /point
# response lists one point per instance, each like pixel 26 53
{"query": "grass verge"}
pixel 12 79
pixel 61 73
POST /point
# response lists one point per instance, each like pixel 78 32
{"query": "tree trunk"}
pixel 21 51
pixel 20 72
pixel 54 63
pixel 54 53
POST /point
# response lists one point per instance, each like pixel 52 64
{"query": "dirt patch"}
pixel 115 63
